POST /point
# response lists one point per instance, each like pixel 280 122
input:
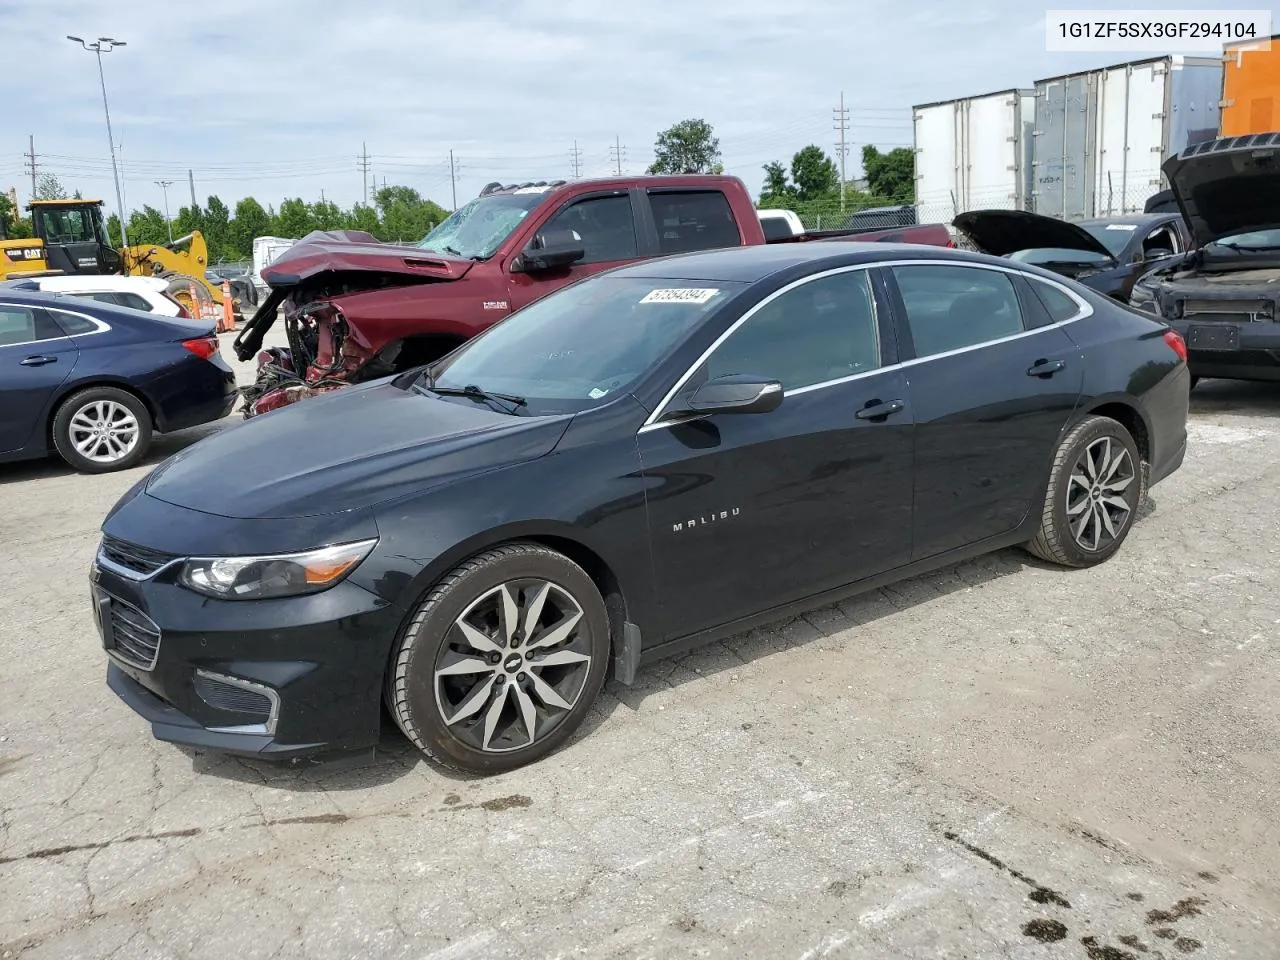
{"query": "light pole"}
pixel 165 185
pixel 98 48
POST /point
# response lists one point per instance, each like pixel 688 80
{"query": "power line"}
pixel 31 165
pixel 842 126
pixel 575 160
pixel 617 154
pixel 363 161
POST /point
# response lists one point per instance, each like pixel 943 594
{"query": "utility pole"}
pixel 842 126
pixel 31 165
pixel 191 179
pixel 453 179
pixel 363 161
pixel 100 46
pixel 165 185
pixel 575 159
pixel 617 154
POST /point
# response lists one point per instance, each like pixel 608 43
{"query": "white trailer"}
pixel 973 154
pixel 265 251
pixel 1101 136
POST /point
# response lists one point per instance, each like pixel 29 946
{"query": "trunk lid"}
pixel 1228 186
pixel 1002 232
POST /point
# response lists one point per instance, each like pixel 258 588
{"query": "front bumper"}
pixel 273 679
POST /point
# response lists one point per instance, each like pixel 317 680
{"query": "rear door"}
pixel 36 356
pixel 994 380
pixel 606 224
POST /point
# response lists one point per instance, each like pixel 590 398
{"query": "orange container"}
pixel 1250 88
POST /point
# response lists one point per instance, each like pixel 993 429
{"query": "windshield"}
pixel 477 229
pixel 1254 238
pixel 1042 255
pixel 583 345
pixel 71 224
pixel 1113 236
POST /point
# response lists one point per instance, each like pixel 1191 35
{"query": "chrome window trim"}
pixel 102 561
pixel 272 695
pixel 1085 309
pixel 102 325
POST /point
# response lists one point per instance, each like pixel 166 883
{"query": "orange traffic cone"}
pixel 228 317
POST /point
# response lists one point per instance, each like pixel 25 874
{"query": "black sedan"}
pixel 93 381
pixel 1108 254
pixel 663 454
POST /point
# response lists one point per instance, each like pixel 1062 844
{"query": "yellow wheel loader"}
pixel 71 237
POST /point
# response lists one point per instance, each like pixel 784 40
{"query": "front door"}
pixel 35 358
pixel 992 390
pixel 606 226
pixel 748 511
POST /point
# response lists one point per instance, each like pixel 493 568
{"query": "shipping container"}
pixel 1250 85
pixel 973 154
pixel 1101 136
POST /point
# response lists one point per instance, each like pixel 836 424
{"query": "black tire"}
pixel 433 638
pixel 1057 540
pixel 91 403
pixel 1194 381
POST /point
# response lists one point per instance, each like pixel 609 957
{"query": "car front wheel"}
pixel 1095 487
pixel 501 661
pixel 102 429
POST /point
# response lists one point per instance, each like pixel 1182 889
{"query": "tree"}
pixel 188 220
pixel 249 222
pixel 814 173
pixel 890 175
pixel 776 185
pixel 327 215
pixel 145 226
pixel 293 220
pixel 362 217
pixel 49 187
pixel 687 147
pixel 406 216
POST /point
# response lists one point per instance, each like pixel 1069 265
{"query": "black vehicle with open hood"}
pixel 1108 254
pixel 1223 296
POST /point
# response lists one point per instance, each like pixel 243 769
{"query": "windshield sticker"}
pixel 596 393
pixel 680 295
pixel 1122 226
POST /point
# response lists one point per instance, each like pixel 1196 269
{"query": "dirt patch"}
pixel 1186 907
pixel 1045 931
pixel 513 802
pixel 76 848
pixel 1188 944
pixel 316 818
pixel 1102 951
pixel 1039 893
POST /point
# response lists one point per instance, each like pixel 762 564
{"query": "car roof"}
pixel 81 284
pixel 750 264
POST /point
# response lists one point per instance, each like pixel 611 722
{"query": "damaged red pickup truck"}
pixel 356 309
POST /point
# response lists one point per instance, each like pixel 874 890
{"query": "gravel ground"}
pixel 998 760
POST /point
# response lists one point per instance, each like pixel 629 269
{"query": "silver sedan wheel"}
pixel 513 665
pixel 104 431
pixel 1097 509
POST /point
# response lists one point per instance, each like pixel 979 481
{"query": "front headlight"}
pixel 1142 298
pixel 279 575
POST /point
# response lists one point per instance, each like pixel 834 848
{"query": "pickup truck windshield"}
pixel 583 345
pixel 478 228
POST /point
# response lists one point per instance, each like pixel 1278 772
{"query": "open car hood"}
pixel 1228 186
pixel 1002 232
pixel 354 251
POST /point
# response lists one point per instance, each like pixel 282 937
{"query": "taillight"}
pixel 1176 344
pixel 202 347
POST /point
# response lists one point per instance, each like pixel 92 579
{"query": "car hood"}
pixel 354 251
pixel 346 450
pixel 1002 232
pixel 1228 186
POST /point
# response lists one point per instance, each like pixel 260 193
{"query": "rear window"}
pixel 775 228
pixel 693 220
pixel 1060 306
pixel 72 324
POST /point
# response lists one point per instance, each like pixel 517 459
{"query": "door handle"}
pixel 877 409
pixel 1046 368
pixel 38 361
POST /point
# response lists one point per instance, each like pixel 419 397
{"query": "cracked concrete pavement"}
pixel 998 760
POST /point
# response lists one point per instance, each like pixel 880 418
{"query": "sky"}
pixel 277 99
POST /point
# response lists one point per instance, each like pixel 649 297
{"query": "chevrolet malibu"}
pixel 644 461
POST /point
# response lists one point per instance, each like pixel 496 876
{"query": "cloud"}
pixel 276 99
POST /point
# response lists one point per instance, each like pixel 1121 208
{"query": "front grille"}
pixel 1235 311
pixel 142 560
pixel 253 701
pixel 135 638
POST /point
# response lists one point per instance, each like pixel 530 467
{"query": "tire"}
pixel 1194 381
pixel 82 413
pixel 1094 533
pixel 474 717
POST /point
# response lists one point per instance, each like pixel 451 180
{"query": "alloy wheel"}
pixel 104 431
pixel 1097 510
pixel 512 666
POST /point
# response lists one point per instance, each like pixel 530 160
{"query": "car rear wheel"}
pixel 1095 487
pixel 102 429
pixel 501 661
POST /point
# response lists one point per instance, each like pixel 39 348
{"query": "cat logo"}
pixel 705 521
pixel 497 305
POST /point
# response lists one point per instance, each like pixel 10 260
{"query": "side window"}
pixel 689 220
pixel 23 325
pixel 949 308
pixel 1060 306
pixel 133 301
pixel 1163 238
pixel 605 226
pixel 821 330
pixel 73 325
pixel 102 296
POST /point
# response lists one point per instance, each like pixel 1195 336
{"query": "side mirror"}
pixel 736 393
pixel 549 250
pixel 1157 253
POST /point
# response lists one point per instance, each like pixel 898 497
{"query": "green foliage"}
pixel 813 173
pixel 49 187
pixel 689 146
pixel 405 215
pixel 250 221
pixel 890 175
pixel 145 226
